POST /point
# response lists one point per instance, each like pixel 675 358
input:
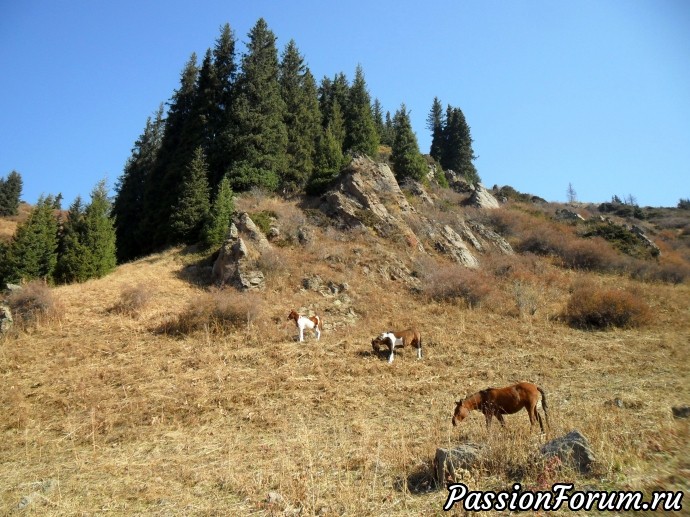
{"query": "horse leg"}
pixel 301 334
pixel 500 419
pixel 392 348
pixel 541 424
pixel 488 416
pixel 318 332
pixel 419 351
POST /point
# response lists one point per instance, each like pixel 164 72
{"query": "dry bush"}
pixel 216 312
pixel 34 303
pixel 670 272
pixel 592 307
pixel 456 282
pixel 133 300
pixel 590 255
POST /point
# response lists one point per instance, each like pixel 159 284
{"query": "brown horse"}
pixel 504 401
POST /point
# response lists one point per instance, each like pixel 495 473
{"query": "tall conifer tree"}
pixel 225 65
pixel 458 154
pixel 435 124
pixel 361 136
pixel 179 141
pixel 128 206
pixel 302 116
pixel 192 209
pixel 407 160
pixel 10 192
pixel 220 215
pixel 260 136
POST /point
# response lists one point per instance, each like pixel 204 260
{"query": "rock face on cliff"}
pixel 368 195
pixel 233 265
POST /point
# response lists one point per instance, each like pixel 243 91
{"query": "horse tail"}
pixel 543 405
pixel 318 322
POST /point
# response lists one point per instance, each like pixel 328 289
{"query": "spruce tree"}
pixel 435 124
pixel 225 65
pixel 260 135
pixel 329 161
pixel 129 203
pixel 361 136
pixel 100 232
pixel 298 90
pixel 179 141
pixel 192 209
pixel 377 112
pixel 10 192
pixel 405 156
pixel 74 257
pixel 457 152
pixel 32 252
pixel 220 215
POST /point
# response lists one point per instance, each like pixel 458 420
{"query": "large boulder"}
pixel 233 265
pixel 482 198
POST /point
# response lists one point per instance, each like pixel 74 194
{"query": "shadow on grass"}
pixel 421 481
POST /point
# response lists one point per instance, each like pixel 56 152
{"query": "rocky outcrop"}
pixel 458 182
pixel 564 214
pixel 489 238
pixel 363 195
pixel 233 265
pixel 452 244
pixel 482 198
pixel 368 195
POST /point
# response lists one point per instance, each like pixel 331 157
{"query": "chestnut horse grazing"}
pixel 400 338
pixel 304 322
pixel 504 401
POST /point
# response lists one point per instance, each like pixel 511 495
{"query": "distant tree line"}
pixel 260 120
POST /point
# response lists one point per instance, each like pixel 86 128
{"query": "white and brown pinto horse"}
pixel 398 339
pixel 304 322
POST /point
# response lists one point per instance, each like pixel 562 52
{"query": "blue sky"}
pixel 593 93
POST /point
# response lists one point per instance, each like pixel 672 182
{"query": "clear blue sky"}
pixel 590 92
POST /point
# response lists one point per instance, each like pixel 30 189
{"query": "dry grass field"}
pixel 106 409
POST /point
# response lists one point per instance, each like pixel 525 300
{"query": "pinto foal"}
pixel 400 338
pixel 504 401
pixel 304 322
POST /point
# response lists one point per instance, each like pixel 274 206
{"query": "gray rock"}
pixel 482 198
pixel 6 320
pixel 448 461
pixel 573 450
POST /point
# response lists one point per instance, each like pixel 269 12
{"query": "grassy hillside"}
pixel 113 403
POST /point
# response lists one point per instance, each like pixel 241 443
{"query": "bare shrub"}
pixel 592 307
pixel 217 312
pixel 670 272
pixel 272 262
pixel 455 282
pixel 526 298
pixel 542 239
pixel 589 255
pixel 133 299
pixel 33 304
